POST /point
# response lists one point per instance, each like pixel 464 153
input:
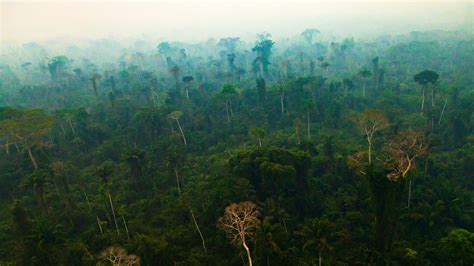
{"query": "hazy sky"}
pixel 23 21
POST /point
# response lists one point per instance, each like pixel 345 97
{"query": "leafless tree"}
pixel 115 255
pixel 175 116
pixel 239 221
pixel 370 122
pixel 119 257
pixel 403 150
pixel 131 260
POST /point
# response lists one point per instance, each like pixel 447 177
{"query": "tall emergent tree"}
pixel 187 82
pixel 176 115
pixel 424 78
pixel 95 82
pixel 308 35
pixel 226 94
pixel 364 73
pixel 229 43
pixel 261 62
pixel 239 221
pixel 370 122
pixel 387 179
pixel 57 66
pixel 403 150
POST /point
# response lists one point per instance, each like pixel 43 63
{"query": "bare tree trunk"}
pixel 320 258
pixel 187 93
pixel 297 133
pixel 126 227
pixel 432 96
pixel 248 252
pixel 153 98
pixel 199 230
pixel 284 226
pixel 409 194
pixel 282 104
pixel 369 140
pixel 260 142
pixel 442 111
pixel 182 133
pixel 423 99
pixel 113 212
pixel 425 171
pixel 87 199
pixel 309 128
pixel 172 128
pixel 7 148
pixel 314 99
pixel 32 158
pixel 363 89
pixel 231 111
pixel 177 181
pixel 72 128
pixel 100 226
pixel 40 193
pixel 227 112
pixel 94 86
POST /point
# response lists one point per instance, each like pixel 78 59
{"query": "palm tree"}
pixel 266 244
pixel 315 232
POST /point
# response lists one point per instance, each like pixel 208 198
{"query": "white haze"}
pixel 200 20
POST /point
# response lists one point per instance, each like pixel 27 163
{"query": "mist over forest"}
pixel 267 139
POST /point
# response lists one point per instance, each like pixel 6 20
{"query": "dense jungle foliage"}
pixel 303 151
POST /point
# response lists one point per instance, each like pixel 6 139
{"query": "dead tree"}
pixel 403 150
pixel 370 122
pixel 239 221
pixel 119 257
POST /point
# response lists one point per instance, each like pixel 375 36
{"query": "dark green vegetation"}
pixel 341 153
